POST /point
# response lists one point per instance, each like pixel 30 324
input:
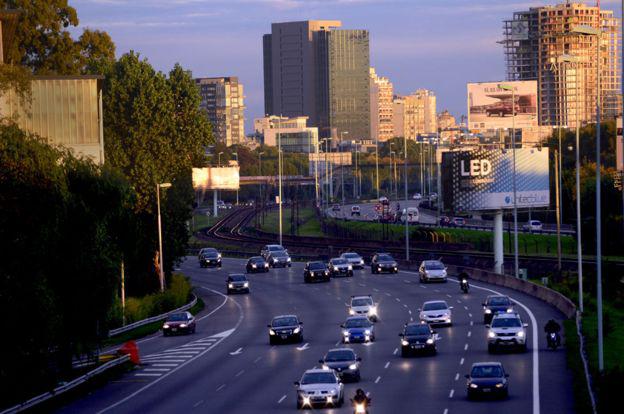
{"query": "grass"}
pixel 202 221
pixel 613 328
pixel 309 224
pixel 582 402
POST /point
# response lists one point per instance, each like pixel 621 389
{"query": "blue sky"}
pixel 433 44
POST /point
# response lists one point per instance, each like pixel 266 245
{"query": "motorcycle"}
pixel 360 407
pixel 464 285
pixel 553 340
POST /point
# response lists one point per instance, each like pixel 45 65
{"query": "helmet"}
pixel 360 392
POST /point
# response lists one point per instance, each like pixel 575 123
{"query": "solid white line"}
pixel 451 393
pixel 153 360
pixel 377 380
pixel 281 399
pixel 456 376
pixel 215 309
pixel 461 361
pixel 387 365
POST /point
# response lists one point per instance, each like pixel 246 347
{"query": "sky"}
pixel 432 44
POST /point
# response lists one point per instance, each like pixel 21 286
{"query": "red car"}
pixel 182 322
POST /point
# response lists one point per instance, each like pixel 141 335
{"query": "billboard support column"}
pixel 215 210
pixel 498 242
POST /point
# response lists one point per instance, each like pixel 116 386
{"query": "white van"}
pixel 413 216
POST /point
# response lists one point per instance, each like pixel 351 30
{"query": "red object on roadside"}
pixel 131 348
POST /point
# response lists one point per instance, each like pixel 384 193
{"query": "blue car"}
pixel 358 329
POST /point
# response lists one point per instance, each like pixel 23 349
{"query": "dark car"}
pixel 279 258
pixel 257 264
pixel 358 329
pixel 178 323
pixel 445 221
pixel 487 378
pixel 340 267
pixel 383 262
pixel 209 257
pixel 315 271
pixel 237 283
pixel 285 328
pixel 417 337
pixel 344 362
pixel 496 304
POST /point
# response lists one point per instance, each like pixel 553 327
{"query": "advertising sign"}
pixel 491 107
pixel 482 179
pixel 216 178
pixel 520 30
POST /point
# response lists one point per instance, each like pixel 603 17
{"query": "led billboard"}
pixel 490 106
pixel 482 179
pixel 216 178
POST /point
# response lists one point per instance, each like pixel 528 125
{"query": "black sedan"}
pixel 496 304
pixel 179 323
pixel 344 362
pixel 315 271
pixel 209 257
pixel 257 264
pixel 487 378
pixel 417 337
pixel 285 328
pixel 383 262
pixel 279 259
pixel 237 283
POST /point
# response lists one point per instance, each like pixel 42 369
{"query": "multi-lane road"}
pixel 228 366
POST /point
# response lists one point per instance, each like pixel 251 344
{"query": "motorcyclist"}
pixel 360 397
pixel 462 275
pixel 552 326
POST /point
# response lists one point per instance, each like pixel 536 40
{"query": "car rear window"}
pixel 238 278
pixel 338 261
pixel 434 265
pixel 384 257
pixel 351 255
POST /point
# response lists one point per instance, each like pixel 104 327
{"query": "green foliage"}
pixel 16 78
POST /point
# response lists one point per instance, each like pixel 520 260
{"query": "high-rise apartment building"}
pixel 313 69
pixel 293 133
pixel 223 101
pixel 381 94
pixel 415 114
pixel 540 44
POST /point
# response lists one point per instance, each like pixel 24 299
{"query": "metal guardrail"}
pixel 67 386
pixel 117 331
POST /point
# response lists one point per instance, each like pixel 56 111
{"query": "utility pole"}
pixel 407 254
pixel 557 194
pixel 279 164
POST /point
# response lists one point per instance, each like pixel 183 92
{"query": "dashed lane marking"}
pixel 281 399
pixel 395 351
pixel 448 296
pixel 164 365
pixel 222 386
pixel 198 403
pixel 469 334
pixel 461 361
pixel 377 380
pixel 466 307
pixel 375 289
pixel 388 294
pixel 445 411
pixel 397 299
pixel 456 376
pixel 465 347
pixel 471 323
pixel 451 393
pixel 470 315
pixel 387 365
pixel 257 359
pixel 241 372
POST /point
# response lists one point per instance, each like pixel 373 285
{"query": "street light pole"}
pixel 236 155
pixel 377 166
pixel 407 255
pixel 342 166
pixel 279 165
pixel 390 175
pixel 161 273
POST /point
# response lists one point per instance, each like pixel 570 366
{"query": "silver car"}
pixel 319 387
pixel 354 259
pixel 271 248
pixel 506 330
pixel 436 312
pixel 363 306
pixel 432 271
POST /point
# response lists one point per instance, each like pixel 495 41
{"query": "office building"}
pixel 294 134
pixel 313 69
pixel 222 100
pixel 539 44
pixel 414 114
pixel 381 95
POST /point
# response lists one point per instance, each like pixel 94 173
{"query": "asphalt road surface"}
pixel 228 366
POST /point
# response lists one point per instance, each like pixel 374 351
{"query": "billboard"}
pixel 482 179
pixel 491 107
pixel 216 178
pixel 519 30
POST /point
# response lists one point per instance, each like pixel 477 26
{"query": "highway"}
pixel 228 366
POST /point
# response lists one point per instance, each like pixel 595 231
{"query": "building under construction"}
pixel 541 44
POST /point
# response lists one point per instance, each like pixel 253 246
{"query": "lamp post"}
pixel 279 173
pixel 260 154
pixel 591 31
pixel 161 274
pixel 513 151
pixel 219 155
pixel 342 167
pixel 390 171
pixel 407 255
pixel 377 166
pixel 236 155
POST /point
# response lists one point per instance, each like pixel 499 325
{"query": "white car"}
pixel 506 330
pixel 436 312
pixel 355 211
pixel 319 387
pixel 363 305
pixel 413 216
pixel 271 248
pixel 532 225
pixel 432 271
pixel 433 196
pixel 354 259
pixel 417 196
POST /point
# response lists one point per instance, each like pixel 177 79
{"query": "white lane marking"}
pixel 281 399
pixel 395 351
pixel 466 307
pixel 377 380
pixel 164 365
pixel 257 359
pixel 470 315
pixel 187 349
pixel 397 299
pixel 445 411
pixel 424 287
pixel 221 337
pixel 448 296
pixel 376 290
pixel 471 323
pixel 222 386
pixel 458 301
pixel 469 334
pixel 461 361
pixel 338 343
pixel 304 347
pixel 405 306
pixel 406 281
pixel 387 365
pixel 237 352
pixel 456 376
pixel 368 344
pixel 225 299
pixel 241 372
pixel 451 393
pixel 409 311
pixel 436 290
pixel 362 284
pixel 465 347
pixel 388 294
pixel 198 403
pixel 147 375
pixel 157 369
pixel 411 319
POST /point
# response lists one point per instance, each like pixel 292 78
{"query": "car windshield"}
pixel 435 265
pixel 342 355
pixel 486 371
pixel 318 378
pixel 499 301
pixel 275 248
pixel 238 278
pixel 384 258
pixel 358 323
pixel 338 262
pixel 434 306
pixel 361 302
pixel 417 330
pixel 506 323
pixel 287 321
pixel 177 317
pixel 279 253
pixel 317 266
pixel 205 251
pixel 351 256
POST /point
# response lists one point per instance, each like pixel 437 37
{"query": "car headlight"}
pixel 361 261
pixel 326 273
pixel 488 311
pixel 444 273
pixel 350 267
pixel 520 334
pixel 306 400
pixel 332 392
pixel 336 268
pixel 353 366
pixel 271 332
pixel 296 330
pixel 219 256
pixel 404 342
pixel 266 265
pixel 367 332
pixel 231 286
pixel 372 310
pixel 254 266
pixel 182 325
pixel 491 334
pixel 351 312
pixel 474 386
pixel 274 260
pixel 509 310
pixel 246 284
pixel 288 259
pixel 500 385
pixel 325 366
pixel 345 333
pixel 426 273
pixel 166 326
pixel 430 341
